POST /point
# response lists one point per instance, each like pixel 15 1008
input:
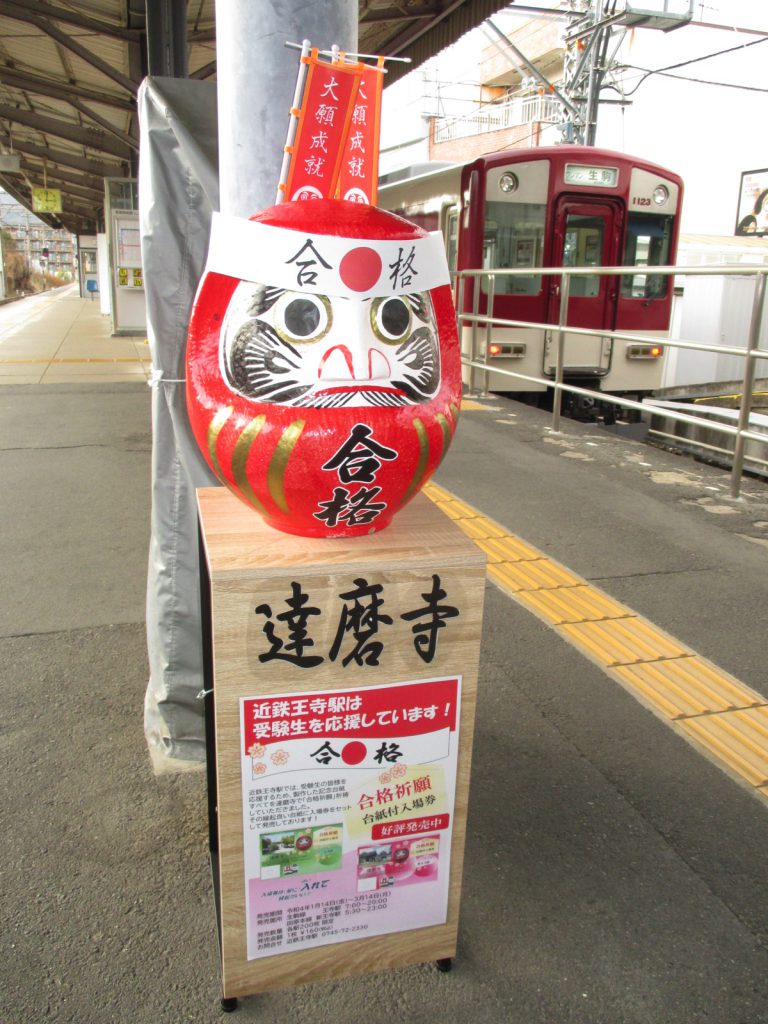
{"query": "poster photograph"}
pixel 348 802
pixel 752 213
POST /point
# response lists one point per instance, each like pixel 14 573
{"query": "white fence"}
pixel 495 117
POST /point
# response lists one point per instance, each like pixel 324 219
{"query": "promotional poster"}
pixel 348 802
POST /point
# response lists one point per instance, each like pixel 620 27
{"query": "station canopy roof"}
pixel 70 71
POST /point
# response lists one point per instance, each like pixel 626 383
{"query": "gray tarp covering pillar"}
pixel 178 190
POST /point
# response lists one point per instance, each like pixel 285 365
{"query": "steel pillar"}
pixel 167 38
pixel 256 76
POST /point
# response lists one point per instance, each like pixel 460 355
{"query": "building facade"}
pixel 47 250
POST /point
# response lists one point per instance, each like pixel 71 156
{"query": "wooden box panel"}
pixel 252 569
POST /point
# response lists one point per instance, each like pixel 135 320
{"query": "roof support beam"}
pixel 60 90
pixel 93 138
pixel 90 182
pixel 410 35
pixel 48 10
pixel 99 168
pixel 205 71
pixel 92 194
pixel 19 13
pixel 122 136
pixel 396 14
pixel 88 188
pixel 84 215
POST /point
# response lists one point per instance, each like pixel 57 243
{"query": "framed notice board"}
pixel 343 680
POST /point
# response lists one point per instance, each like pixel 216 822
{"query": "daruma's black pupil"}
pixel 395 317
pixel 302 318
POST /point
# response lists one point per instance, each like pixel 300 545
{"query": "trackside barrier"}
pixel 751 353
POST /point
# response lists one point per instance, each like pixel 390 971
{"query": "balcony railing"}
pixel 498 116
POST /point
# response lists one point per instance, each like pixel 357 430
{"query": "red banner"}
pixel 327 108
pixel 411 826
pixel 358 181
pixel 408 709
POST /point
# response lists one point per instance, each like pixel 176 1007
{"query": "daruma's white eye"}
pixel 302 318
pixel 390 319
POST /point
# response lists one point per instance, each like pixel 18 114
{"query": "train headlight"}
pixel 645 351
pixel 508 182
pixel 660 195
pixel 511 349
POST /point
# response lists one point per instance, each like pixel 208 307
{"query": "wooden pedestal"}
pixel 384 624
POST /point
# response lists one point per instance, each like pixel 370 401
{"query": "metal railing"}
pixel 751 353
pixel 494 117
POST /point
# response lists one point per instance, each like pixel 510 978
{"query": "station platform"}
pixel 55 337
pixel 615 869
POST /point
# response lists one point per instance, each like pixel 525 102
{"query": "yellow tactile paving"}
pixel 623 641
pixel 456 509
pixel 737 738
pixel 479 529
pixel 94 359
pixel 688 686
pixel 436 493
pixel 540 575
pixel 572 604
pixel 707 706
pixel 467 405
pixel 507 549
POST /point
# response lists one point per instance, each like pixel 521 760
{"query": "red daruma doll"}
pixel 323 371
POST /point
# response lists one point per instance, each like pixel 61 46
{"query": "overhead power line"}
pixel 698 81
pixel 695 60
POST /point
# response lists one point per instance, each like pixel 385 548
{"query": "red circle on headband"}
pixel 360 269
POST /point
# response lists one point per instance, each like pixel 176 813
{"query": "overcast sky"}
pixel 709 130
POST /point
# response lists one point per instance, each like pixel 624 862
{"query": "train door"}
pixel 586 233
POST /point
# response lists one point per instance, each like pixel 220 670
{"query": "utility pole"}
pixel 594 32
pixel 595 29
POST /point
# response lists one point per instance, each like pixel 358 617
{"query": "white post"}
pixel 293 125
pixel 256 77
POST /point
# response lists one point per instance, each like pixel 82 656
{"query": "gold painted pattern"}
pixel 214 429
pixel 240 459
pixel 446 429
pixel 279 463
pixel 421 433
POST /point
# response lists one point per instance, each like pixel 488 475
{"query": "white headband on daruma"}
pixel 324 264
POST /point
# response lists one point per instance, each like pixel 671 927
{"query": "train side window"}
pixel 647 245
pixel 514 237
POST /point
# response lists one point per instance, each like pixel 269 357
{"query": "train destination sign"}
pixel 583 174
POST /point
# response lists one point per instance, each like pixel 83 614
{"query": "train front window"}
pixel 583 247
pixel 648 244
pixel 514 238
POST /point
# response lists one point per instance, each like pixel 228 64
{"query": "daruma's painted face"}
pixel 295 348
pixel 323 378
